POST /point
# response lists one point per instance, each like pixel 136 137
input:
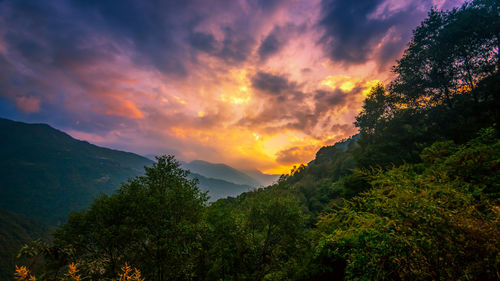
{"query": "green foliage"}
pixel 274 223
pixel 354 184
pixel 415 196
pixel 476 164
pixel 445 88
pixel 424 225
pixel 260 238
pixel 316 184
pixel 15 231
pixel 154 221
pixel 225 246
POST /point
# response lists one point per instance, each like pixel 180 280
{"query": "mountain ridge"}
pixel 220 171
pixel 47 173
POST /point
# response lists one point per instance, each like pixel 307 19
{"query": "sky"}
pixel 255 84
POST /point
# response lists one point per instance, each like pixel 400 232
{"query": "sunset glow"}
pixel 253 84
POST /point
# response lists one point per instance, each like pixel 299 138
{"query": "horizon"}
pixel 251 84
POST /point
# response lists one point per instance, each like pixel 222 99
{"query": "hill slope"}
pixel 46 173
pixel 220 171
pixel 218 188
pixel 263 179
pixel 15 231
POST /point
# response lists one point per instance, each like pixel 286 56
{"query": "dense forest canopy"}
pixel 414 197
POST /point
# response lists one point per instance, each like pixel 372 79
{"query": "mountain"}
pixel 46 174
pixel 218 188
pixel 263 179
pixel 220 171
pixel 226 173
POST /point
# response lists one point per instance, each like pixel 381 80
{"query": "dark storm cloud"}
pixel 202 41
pixel 331 100
pixel 269 46
pixel 235 46
pixel 287 107
pixel 152 28
pixel 159 33
pixel 276 39
pixel 353 29
pixel 39 33
pixel 267 5
pixel 56 50
pixel 271 84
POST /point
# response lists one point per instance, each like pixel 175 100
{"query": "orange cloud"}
pixel 123 108
pixel 296 154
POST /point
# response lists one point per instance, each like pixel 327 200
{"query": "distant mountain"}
pixel 226 173
pixel 220 171
pixel 218 189
pixel 263 179
pixel 46 174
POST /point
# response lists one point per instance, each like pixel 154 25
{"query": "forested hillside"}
pixel 414 197
pixel 46 173
pixel 15 231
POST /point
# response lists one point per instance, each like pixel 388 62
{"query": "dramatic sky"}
pixel 250 83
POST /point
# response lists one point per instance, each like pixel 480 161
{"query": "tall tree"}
pixel 155 222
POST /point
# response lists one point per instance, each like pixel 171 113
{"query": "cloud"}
pixel 271 84
pixel 296 154
pixel 123 108
pixel 78 52
pixel 202 41
pixel 28 104
pixel 355 31
pixel 277 39
pixel 150 28
pixel 218 80
pixel 269 46
pixel 332 100
pixel 319 113
pixel 235 47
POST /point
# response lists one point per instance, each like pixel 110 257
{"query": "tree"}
pixel 445 88
pixel 386 128
pixel 449 54
pixel 274 223
pixel 434 221
pixel 155 222
pixel 375 112
pixel 423 73
pixel 226 252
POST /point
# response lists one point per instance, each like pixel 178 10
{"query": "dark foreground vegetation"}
pixel 414 197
